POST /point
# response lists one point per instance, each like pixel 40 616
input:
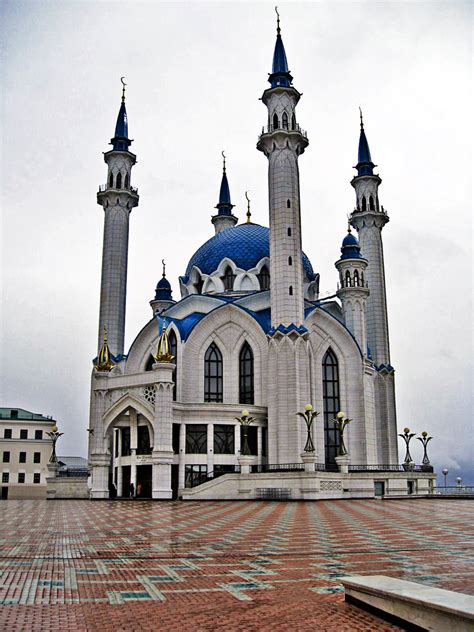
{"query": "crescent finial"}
pixel 361 119
pixel 248 208
pixel 164 267
pixel 278 20
pixel 223 157
pixel 123 88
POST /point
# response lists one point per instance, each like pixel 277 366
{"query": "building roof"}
pixel 22 414
pixel 244 244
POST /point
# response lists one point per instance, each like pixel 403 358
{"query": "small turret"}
pixel 163 294
pixel 352 290
pixel 224 218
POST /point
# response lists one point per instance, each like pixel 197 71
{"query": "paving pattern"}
pixel 139 565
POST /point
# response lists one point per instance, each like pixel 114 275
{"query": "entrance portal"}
pixel 126 469
pixel 144 477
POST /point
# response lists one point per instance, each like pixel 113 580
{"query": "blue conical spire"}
pixel 120 141
pixel 280 74
pixel 365 166
pixel 224 206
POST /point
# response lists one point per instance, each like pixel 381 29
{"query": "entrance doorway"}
pixel 144 477
pixel 4 493
pixel 174 481
pixel 126 481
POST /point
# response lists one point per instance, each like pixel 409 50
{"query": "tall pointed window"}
pixel 228 279
pixel 213 374
pixel 118 182
pixel 246 375
pixel 348 279
pixel 331 405
pixel 264 278
pixel 111 180
pixel 275 121
pixel 284 120
pixel 371 203
pixel 293 121
pixel 174 352
pixel 127 181
pixel 356 278
pixel 364 204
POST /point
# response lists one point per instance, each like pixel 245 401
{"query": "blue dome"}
pixel 163 284
pixel 350 247
pixel 245 245
pixel 163 290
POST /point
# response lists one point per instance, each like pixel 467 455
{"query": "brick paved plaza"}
pixel 137 565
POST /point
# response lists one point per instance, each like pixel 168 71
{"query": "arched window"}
pixel 228 279
pixel 289 231
pixel 150 362
pixel 290 290
pixel 264 278
pixel 293 121
pixel 118 182
pixel 275 121
pixel 174 352
pixel 290 261
pixel 371 203
pixel 364 204
pixel 362 279
pixel 127 181
pixel 348 279
pixel 213 374
pixel 288 204
pixel 284 120
pixel 246 375
pixel 356 278
pixel 331 405
pixel 111 180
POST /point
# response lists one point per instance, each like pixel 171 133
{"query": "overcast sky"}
pixel 195 72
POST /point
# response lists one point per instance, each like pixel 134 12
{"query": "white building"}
pixel 250 331
pixel 25 449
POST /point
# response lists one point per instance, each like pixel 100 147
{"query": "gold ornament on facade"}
pixel 163 352
pixel 104 360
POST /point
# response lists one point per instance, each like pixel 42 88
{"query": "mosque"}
pixel 204 403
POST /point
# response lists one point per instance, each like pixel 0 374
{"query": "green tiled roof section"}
pixel 22 414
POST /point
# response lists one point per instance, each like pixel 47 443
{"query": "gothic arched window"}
pixel 371 203
pixel 293 121
pixel 290 290
pixel 264 278
pixel 213 374
pixel 356 278
pixel 364 204
pixel 174 352
pixel 362 279
pixel 275 121
pixel 284 120
pixel 331 405
pixel 290 261
pixel 348 279
pixel 150 362
pixel 246 375
pixel 127 181
pixel 118 182
pixel 228 279
pixel 288 204
pixel 111 180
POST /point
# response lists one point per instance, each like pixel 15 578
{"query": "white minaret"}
pixel 352 290
pixel 282 141
pixel 117 197
pixel 369 218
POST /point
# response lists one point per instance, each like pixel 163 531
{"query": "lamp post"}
pixel 245 420
pixel 425 439
pixel 445 473
pixel 407 436
pixel 54 436
pixel 458 482
pixel 340 422
pixel 309 416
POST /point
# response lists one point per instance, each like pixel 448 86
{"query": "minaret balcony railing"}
pixel 105 187
pixel 269 129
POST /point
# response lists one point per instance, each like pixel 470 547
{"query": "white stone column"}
pixel 119 480
pixel 259 444
pixel 182 456
pixel 133 477
pixel 163 428
pixel 210 448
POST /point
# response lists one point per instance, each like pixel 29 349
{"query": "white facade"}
pixel 25 449
pixel 158 424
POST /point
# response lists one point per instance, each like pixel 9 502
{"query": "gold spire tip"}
pixel 123 88
pixel 249 214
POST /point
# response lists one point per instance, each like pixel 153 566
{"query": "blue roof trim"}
pixel 385 368
pixel 244 244
pixel 282 329
pixel 115 359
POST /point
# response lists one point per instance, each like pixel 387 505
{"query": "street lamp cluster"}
pixel 407 436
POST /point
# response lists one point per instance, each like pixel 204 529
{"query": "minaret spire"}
pixel 117 197
pixel 365 166
pixel 280 75
pixel 224 218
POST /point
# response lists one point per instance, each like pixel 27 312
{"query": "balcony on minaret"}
pixel 269 129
